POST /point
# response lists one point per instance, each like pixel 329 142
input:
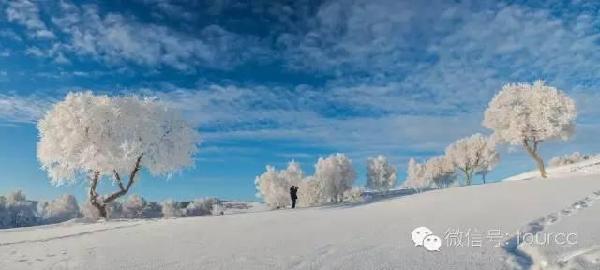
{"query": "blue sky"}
pixel 272 81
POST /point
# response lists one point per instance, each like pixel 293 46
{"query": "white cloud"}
pixel 27 14
pixel 20 109
pixel 116 38
pixel 35 51
pixel 9 34
pixel 301 114
pixel 376 37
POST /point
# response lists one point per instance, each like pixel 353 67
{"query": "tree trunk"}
pixel 100 203
pixel 483 177
pixel 532 150
pixel 468 177
pixel 93 195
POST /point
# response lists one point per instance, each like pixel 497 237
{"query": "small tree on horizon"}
pixel 440 172
pixel 381 175
pixel 529 114
pixel 472 155
pixel 334 175
pixel 273 186
pixel 435 172
pixel 101 136
pixel 415 176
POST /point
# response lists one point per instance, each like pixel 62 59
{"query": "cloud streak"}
pixel 16 109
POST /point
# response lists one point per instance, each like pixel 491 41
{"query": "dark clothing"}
pixel 293 194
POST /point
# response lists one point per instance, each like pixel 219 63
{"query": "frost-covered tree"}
pixel 59 210
pixel 335 175
pixel 274 186
pixel 380 174
pixel 101 136
pixel 489 164
pixel 4 214
pixel 5 221
pixel 133 207
pixel 568 159
pixel 435 172
pixel 309 192
pixel 440 172
pixel 171 208
pixel 355 194
pixel 20 211
pixel 415 176
pixel 202 207
pixel 471 155
pixel 529 114
pixel 152 210
pixel 218 209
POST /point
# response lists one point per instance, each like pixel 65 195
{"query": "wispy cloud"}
pixel 305 115
pixel 18 109
pixel 116 38
pixel 27 14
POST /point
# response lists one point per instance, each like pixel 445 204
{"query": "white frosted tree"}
pixel 568 159
pixel 380 174
pixel 435 172
pixel 133 207
pixel 170 208
pixel 59 210
pixel 309 192
pixel 472 155
pixel 274 186
pixel 529 114
pixel 440 172
pixel 355 194
pixel 202 207
pixel 415 176
pixel 21 212
pixel 335 175
pixel 4 213
pixel 101 137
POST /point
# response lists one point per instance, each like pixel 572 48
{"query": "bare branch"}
pixel 118 178
pixel 123 190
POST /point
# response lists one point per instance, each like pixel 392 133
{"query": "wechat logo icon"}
pixel 423 236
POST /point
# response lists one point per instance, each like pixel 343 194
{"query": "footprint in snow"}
pixel 551 219
pixel 566 212
pixel 580 204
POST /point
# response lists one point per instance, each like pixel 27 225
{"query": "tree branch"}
pixel 123 190
pixel 136 169
pixel 118 178
pixel 93 194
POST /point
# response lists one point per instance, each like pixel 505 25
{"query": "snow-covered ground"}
pixel 375 235
pixel 582 168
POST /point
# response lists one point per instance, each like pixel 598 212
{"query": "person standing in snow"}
pixel 293 194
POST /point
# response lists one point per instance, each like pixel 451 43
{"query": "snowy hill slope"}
pixel 369 236
pixel 586 167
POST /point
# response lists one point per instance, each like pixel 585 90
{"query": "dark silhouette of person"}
pixel 293 194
